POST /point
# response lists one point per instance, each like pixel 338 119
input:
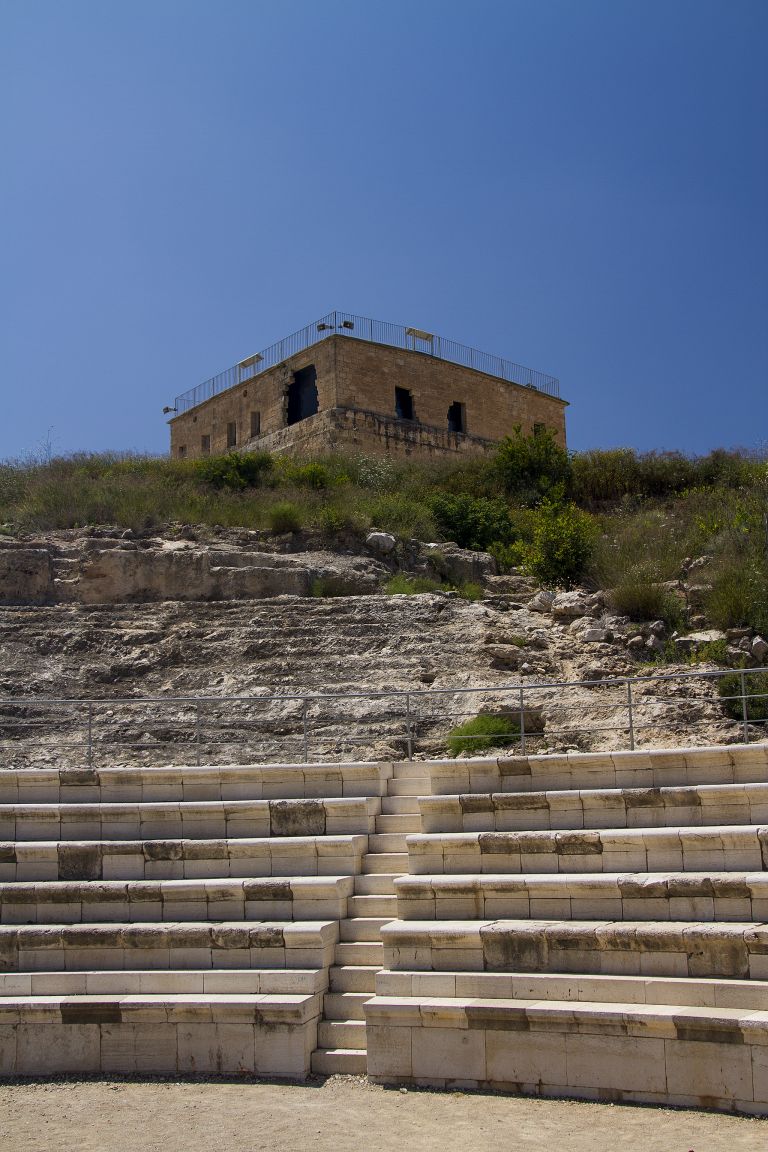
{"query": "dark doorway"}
pixel 302 395
pixel 403 404
pixel 457 417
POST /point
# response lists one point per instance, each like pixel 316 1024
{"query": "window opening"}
pixel 182 450
pixel 539 429
pixel 255 423
pixel 403 404
pixel 205 445
pixel 457 417
pixel 232 434
pixel 302 395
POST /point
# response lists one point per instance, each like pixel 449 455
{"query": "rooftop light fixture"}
pixel 323 327
pixel 417 334
pixel 168 409
pixel 347 324
pixel 250 361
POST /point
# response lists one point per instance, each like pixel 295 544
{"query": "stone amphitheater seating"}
pixel 586 925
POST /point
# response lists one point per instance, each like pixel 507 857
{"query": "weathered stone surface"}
pixel 25 576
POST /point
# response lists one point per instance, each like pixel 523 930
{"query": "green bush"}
pixel 329 586
pixel 402 516
pixel 644 600
pixel 563 539
pixel 473 522
pixel 236 470
pixel 739 595
pixel 284 517
pixel 402 585
pixel 531 467
pixel 470 591
pixel 756 691
pixel 482 732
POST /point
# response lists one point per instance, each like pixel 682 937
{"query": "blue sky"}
pixel 578 185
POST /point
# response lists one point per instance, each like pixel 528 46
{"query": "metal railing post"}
pixel 745 722
pixel 197 733
pixel 305 729
pixel 522 722
pixel 409 734
pixel 631 717
pixel 90 734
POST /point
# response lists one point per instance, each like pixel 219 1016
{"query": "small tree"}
pixel 532 467
pixel 563 539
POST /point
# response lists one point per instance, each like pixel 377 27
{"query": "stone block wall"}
pixel 356 383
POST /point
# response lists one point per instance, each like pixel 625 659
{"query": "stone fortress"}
pixel 347 382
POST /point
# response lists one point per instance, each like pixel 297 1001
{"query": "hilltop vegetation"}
pixel 615 520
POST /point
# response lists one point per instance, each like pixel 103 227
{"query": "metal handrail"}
pixel 373 332
pixel 404 712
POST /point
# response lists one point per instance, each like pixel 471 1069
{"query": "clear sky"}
pixel 578 185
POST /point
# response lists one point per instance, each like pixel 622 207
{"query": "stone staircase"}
pixel 589 925
pixel 359 954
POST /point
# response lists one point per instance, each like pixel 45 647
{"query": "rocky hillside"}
pixel 137 623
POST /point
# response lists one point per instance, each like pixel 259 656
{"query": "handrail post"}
pixel 305 731
pixel 90 734
pixel 409 734
pixel 197 732
pixel 522 722
pixel 631 717
pixel 743 679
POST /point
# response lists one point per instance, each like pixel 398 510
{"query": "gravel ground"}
pixel 338 1114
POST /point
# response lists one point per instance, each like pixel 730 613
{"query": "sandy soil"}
pixel 341 1114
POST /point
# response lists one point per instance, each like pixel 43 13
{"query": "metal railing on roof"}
pixel 375 332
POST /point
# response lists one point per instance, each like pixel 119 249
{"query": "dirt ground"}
pixel 341 1114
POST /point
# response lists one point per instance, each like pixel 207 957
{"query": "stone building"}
pixel 346 382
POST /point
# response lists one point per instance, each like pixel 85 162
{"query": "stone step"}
pixel 400 805
pixel 334 816
pixel 697 806
pixel 651 768
pixel 344 1006
pixel 263 898
pixel 722 849
pixel 192 783
pixel 158 982
pixel 387 842
pixel 236 944
pixel 372 906
pixel 342 1034
pixel 366 952
pixel 408 770
pixel 171 1034
pixel 360 928
pixel 389 862
pixel 713 993
pixel 353 977
pixel 376 883
pixel 181 859
pixel 339 1062
pixel 713 896
pixel 398 823
pixel 649 1053
pixel 632 948
pixel 419 786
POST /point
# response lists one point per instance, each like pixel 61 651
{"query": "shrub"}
pixel 563 539
pixel 482 732
pixel 532 466
pixel 236 470
pixel 402 516
pixel 739 596
pixel 284 517
pixel 402 585
pixel 473 522
pixel 644 600
pixel 755 689
pixel 335 519
pixel 470 591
